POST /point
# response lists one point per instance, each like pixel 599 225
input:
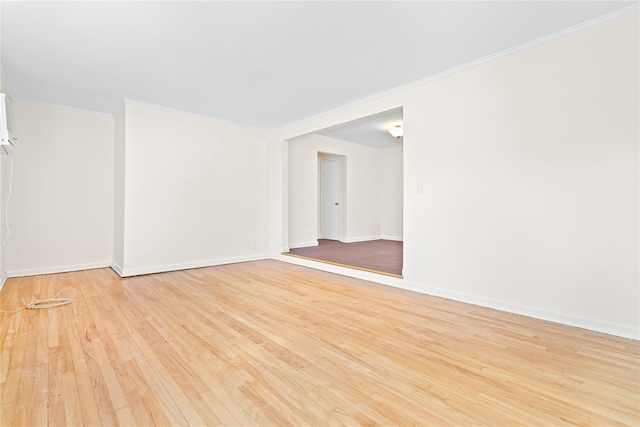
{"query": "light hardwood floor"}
pixel 268 343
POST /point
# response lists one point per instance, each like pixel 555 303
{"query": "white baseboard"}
pixel 59 269
pixel 115 267
pixel 536 313
pixel 394 238
pixel 349 240
pixel 590 324
pixel 303 244
pixel 2 280
pixel 139 271
pixel 360 239
pixel 344 271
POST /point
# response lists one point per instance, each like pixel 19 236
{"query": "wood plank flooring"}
pixel 273 344
pixel 378 256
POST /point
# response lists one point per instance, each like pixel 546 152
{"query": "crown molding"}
pixel 516 49
pixel 190 114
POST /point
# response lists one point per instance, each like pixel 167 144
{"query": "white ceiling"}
pixel 370 130
pixel 263 64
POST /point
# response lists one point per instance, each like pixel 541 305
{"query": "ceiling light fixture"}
pixel 396 132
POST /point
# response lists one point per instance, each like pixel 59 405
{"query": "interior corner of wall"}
pixel 5 84
pixel 119 270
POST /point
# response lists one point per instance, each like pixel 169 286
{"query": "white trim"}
pixel 360 239
pixel 343 271
pixel 351 240
pixel 53 104
pixel 394 238
pixel 190 114
pixel 590 324
pixel 115 267
pixel 516 49
pixel 3 280
pixel 59 269
pixel 302 245
pixel 138 271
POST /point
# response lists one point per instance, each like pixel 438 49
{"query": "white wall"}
pixel 367 196
pixel 60 214
pixel 5 168
pixel 278 209
pixel 5 165
pixel 195 192
pixel 529 165
pixel 4 194
pixel 391 193
pixel 119 179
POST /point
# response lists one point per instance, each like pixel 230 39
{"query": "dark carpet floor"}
pixel 383 256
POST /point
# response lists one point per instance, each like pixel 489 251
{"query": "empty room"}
pixel 420 213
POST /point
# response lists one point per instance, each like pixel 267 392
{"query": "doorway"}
pixel 365 229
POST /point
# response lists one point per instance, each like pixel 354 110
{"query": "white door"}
pixel 330 199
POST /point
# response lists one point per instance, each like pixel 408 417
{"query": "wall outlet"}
pixel 419 188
